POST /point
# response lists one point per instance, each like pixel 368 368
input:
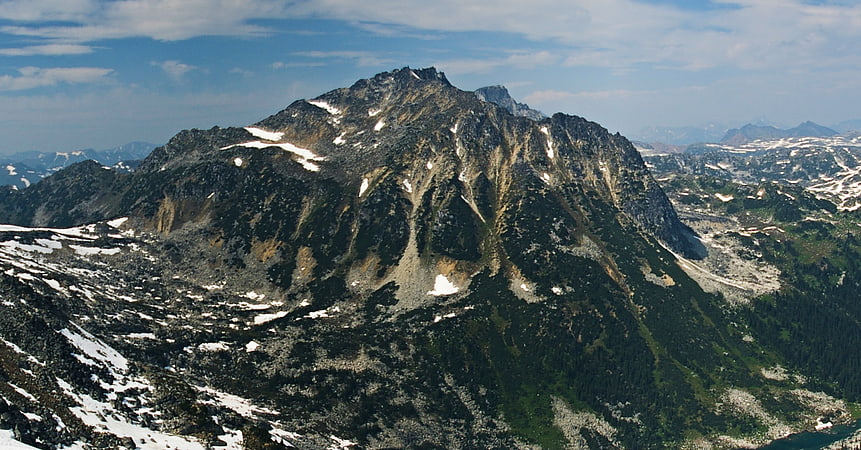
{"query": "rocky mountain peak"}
pixel 415 125
pixel 499 94
pixel 403 78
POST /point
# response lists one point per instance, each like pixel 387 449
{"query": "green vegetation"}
pixel 813 322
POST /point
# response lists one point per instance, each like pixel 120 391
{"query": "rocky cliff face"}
pixel 396 264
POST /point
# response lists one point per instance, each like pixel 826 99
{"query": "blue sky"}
pixel 99 73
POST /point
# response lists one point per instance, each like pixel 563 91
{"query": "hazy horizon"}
pixel 100 73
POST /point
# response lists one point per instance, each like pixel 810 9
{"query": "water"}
pixel 815 439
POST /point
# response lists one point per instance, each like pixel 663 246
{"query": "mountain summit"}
pixel 394 264
pixel 499 95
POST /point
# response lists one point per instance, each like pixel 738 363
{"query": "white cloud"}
pixel 282 65
pixel 47 50
pixel 47 10
pixel 166 20
pixel 245 73
pixel 34 77
pixel 519 60
pixel 173 68
pixel 361 58
pixel 749 34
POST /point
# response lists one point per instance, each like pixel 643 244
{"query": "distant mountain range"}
pixel 721 133
pixel 750 133
pixel 681 135
pixel 25 168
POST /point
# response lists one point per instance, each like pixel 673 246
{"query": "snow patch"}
pixel 241 406
pixel 305 155
pixel 820 425
pixel 23 392
pixel 379 126
pixel 321 314
pixel 545 177
pixel 89 251
pixel 251 347
pixel 237 162
pixel 408 186
pixel 8 441
pixel 437 319
pixel 363 187
pixel 324 105
pixel 340 139
pixel 141 336
pixel 11 170
pixel 724 198
pixel 15 245
pixel 102 416
pixel 251 295
pixel 213 347
pixel 550 151
pixel 96 349
pixel 54 284
pixel 50 243
pixel 264 318
pixel 116 223
pixel 442 286
pixel 265 135
pixel 429 165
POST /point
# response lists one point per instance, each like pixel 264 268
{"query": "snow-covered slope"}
pixel 65 386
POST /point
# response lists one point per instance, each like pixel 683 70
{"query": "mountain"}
pixel 810 129
pixel 750 133
pixel 681 136
pixel 829 167
pixel 500 96
pixel 26 168
pixel 848 126
pixel 396 264
pixel 785 213
pixel 760 130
